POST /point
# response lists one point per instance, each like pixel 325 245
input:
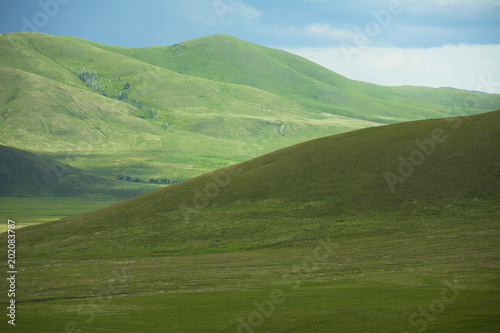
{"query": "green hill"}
pixel 387 228
pixel 361 171
pixel 228 59
pixel 131 111
pixel 310 238
pixel 24 174
pixel 169 125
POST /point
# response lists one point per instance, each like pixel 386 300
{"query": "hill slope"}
pixel 131 111
pixel 228 59
pixel 24 174
pixel 150 121
pixel 453 160
pixel 310 238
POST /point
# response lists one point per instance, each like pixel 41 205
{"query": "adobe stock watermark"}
pixel 420 319
pixel 91 306
pixel 201 199
pixel 486 85
pixel 362 37
pixel 427 147
pixel 222 7
pixel 220 179
pixel 292 280
pixel 63 169
pixel 74 157
pixel 49 9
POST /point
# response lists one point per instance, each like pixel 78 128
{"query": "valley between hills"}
pixel 216 185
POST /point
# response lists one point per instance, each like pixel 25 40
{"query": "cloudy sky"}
pixel 453 43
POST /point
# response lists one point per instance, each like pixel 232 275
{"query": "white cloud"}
pixel 325 30
pixel 218 12
pixel 246 13
pixel 429 3
pixel 458 3
pixel 472 67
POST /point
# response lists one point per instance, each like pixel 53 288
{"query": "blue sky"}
pixel 392 42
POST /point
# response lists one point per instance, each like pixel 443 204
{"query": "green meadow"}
pixel 31 211
pixel 359 273
pixel 275 247
pixel 307 202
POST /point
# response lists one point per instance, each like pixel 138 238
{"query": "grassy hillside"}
pixel 338 175
pixel 136 114
pixel 388 228
pixel 24 174
pixel 34 189
pixel 228 59
pixel 169 124
pixel 311 238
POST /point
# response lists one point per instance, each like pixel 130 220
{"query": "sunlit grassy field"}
pixel 279 248
pixel 31 211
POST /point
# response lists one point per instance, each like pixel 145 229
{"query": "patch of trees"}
pixel 121 96
pixel 140 105
pixel 151 180
pixel 177 50
pixel 91 80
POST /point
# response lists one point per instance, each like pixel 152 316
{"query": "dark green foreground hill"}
pixel 452 160
pixel 23 174
pixel 310 238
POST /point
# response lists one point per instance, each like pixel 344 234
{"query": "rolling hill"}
pixel 377 228
pixel 23 174
pixel 187 109
pixel 367 170
pixel 318 237
pixel 228 59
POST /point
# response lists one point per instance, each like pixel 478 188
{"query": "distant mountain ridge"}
pixel 183 110
pixel 228 59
